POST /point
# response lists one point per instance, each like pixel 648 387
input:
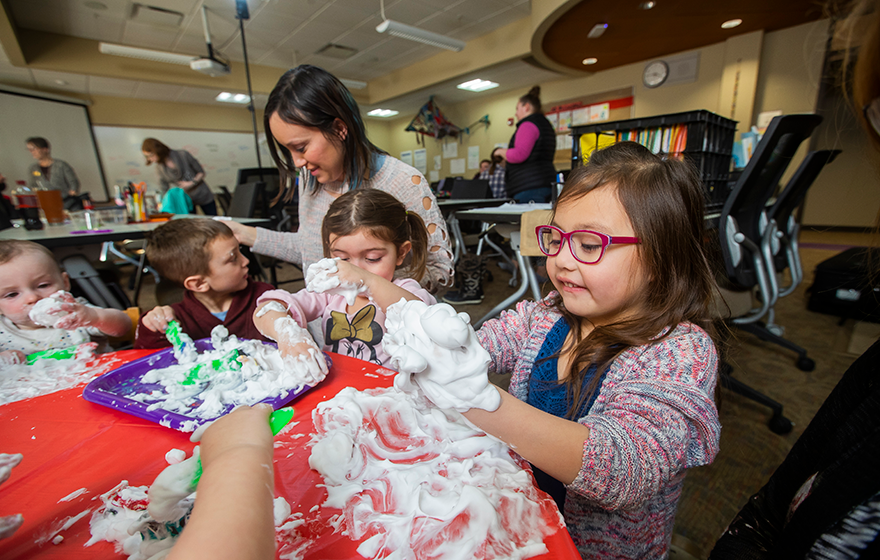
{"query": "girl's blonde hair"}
pixel 663 198
pixel 382 216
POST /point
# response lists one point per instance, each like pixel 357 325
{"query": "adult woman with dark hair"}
pixel 824 500
pixel 529 156
pixel 318 141
pixel 180 169
pixel 56 174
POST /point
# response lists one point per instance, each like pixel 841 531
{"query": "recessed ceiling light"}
pixel 597 31
pixel 647 5
pixel 62 82
pixel 477 85
pixel 590 60
pixel 384 113
pixel 731 23
pixel 227 97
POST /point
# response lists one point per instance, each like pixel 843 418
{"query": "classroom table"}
pixel 506 221
pixel 70 235
pixel 449 207
pixel 69 444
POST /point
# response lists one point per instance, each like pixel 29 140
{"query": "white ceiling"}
pixel 279 33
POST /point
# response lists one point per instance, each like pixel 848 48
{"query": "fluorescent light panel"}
pixel 477 85
pixel 227 97
pixel 419 35
pixel 383 113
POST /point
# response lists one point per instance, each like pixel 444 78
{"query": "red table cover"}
pixel 69 444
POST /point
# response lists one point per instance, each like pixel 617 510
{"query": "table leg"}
pixel 455 229
pixel 523 265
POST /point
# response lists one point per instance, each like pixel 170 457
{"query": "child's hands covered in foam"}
pixel 335 276
pixel 437 349
pixel 61 311
pixel 296 345
pixel 12 357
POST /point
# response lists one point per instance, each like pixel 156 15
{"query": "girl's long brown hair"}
pixel 663 198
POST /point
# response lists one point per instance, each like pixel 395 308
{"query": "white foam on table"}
pixel 21 381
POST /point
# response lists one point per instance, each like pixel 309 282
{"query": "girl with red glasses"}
pixel 612 375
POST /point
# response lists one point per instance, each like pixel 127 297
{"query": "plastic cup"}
pixel 53 206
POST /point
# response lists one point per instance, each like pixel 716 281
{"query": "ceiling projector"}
pixel 210 66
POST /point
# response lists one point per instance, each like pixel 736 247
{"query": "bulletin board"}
pixel 598 107
pixel 221 154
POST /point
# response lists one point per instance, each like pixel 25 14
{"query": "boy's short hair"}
pixel 180 248
pixel 13 248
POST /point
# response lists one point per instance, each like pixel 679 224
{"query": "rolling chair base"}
pixel 758 329
pixel 778 423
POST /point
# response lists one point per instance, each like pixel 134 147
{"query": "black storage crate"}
pixel 709 144
pixel 843 286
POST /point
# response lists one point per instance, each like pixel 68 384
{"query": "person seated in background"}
pixel 53 173
pixel 484 166
pixel 202 256
pixel 495 174
pixel 29 273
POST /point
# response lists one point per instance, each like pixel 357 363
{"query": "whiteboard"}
pixel 221 154
pixel 65 124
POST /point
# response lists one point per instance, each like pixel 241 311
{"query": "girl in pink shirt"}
pixel 369 234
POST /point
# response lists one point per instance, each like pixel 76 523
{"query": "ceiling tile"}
pixel 95 26
pixel 157 92
pixel 151 37
pixel 99 85
pixel 47 79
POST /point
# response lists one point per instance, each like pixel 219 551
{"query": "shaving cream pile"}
pixel 48 310
pixel 419 482
pixel 321 278
pixel 21 381
pixel 263 375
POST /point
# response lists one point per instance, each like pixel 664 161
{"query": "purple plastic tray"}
pixel 114 388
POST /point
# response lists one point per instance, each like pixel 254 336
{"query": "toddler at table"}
pixel 381 250
pixel 30 273
pixel 614 373
pixel 202 256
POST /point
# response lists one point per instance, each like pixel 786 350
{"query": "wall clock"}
pixel 655 74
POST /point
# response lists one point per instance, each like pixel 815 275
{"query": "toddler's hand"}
pixel 78 315
pixel 299 349
pixel 157 320
pixel 439 351
pixel 334 276
pixel 12 357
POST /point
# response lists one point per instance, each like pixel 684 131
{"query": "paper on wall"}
pixel 406 157
pixel 433 176
pixel 420 160
pixel 438 162
pixel 456 166
pixel 450 149
pixel 473 158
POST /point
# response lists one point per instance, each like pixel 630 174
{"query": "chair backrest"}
pixel 244 200
pixel 746 204
pixel 463 189
pixel 252 174
pixel 796 188
pixel 87 279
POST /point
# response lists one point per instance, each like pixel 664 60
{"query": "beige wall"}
pixel 118 111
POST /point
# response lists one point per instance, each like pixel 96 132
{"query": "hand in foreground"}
pixel 297 347
pixel 78 315
pixel 437 349
pixel 10 523
pixel 157 320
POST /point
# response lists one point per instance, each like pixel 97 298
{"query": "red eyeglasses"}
pixel 587 247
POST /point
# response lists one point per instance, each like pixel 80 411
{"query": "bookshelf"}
pixel 701 137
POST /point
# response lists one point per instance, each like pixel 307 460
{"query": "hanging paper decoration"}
pixel 430 121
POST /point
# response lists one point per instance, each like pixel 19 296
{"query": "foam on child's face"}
pixel 26 279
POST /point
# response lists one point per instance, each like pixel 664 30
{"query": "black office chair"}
pixel 741 229
pixel 780 241
pixel 88 283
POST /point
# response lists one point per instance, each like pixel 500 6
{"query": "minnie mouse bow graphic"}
pixel 360 334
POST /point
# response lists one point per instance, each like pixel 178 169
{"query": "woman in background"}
pixel 529 156
pixel 56 174
pixel 180 169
